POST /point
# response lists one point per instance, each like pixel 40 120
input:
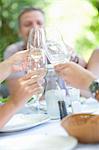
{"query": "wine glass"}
pixel 37 59
pixel 56 50
pixel 36 46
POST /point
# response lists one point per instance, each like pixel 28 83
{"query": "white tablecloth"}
pixel 52 127
pixel 49 128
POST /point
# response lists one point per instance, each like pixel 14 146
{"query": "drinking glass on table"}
pixel 36 58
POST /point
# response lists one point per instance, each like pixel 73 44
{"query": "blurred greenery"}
pixel 4 100
pixel 9 11
pixel 85 42
pixel 89 38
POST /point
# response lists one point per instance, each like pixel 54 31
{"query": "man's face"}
pixel 29 20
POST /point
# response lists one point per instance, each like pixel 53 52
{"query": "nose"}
pixel 35 25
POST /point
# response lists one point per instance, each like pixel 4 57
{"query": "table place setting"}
pixel 49 134
pixel 64 121
pixel 21 122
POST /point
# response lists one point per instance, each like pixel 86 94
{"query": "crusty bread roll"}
pixel 85 127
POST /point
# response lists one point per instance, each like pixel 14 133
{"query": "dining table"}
pixel 13 140
pixel 51 127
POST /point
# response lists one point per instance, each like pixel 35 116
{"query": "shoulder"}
pixel 13 48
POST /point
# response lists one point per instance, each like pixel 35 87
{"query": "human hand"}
pixel 27 86
pixel 74 74
pixel 18 61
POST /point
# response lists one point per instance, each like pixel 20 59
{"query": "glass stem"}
pixel 38 104
pixel 37 101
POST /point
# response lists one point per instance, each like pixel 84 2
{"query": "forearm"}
pixel 94 67
pixel 6 112
pixel 86 92
pixel 5 69
pixel 87 79
pixel 12 85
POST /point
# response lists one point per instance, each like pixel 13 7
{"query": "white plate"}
pixel 39 142
pixel 24 121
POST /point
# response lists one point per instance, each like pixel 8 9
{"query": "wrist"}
pixel 11 105
pixel 94 89
pixel 17 104
pixel 89 78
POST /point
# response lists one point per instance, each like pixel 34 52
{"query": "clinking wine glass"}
pixel 37 60
pixel 57 51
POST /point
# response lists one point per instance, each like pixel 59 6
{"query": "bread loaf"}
pixel 85 127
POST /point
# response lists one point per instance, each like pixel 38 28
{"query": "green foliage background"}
pixel 89 39
pixel 9 10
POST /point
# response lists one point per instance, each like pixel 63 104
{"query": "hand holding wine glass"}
pixel 37 60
